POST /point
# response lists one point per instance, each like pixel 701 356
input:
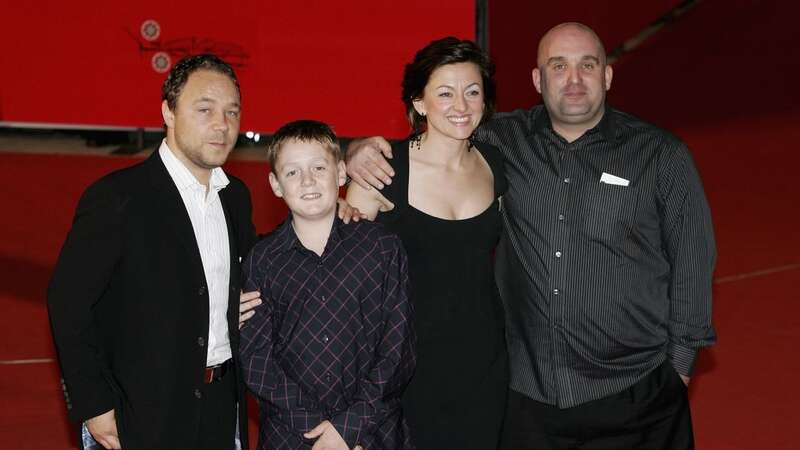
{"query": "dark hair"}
pixel 304 131
pixel 180 72
pixel 449 50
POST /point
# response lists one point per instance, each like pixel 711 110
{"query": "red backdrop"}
pixel 341 62
pixel 515 29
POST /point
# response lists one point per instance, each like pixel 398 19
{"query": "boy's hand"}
pixel 248 301
pixel 328 437
pixel 348 213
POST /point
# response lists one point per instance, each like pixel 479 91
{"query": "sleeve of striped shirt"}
pixel 394 358
pixel 688 236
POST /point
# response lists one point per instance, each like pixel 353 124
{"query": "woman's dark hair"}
pixel 179 74
pixel 442 52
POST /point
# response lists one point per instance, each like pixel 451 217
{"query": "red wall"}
pixel 341 62
pixel 515 28
pixel 724 61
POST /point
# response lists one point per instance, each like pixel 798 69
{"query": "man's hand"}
pixel 248 301
pixel 327 437
pixel 348 212
pixel 104 430
pixel 685 379
pixel 366 162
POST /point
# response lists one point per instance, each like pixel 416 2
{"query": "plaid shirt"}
pixel 333 339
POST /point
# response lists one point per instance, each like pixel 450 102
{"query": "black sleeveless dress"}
pixel 456 399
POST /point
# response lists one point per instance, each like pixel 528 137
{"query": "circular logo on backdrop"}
pixel 150 30
pixel 161 62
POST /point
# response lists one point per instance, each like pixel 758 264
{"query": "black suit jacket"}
pixel 128 305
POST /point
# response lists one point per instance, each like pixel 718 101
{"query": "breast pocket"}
pixel 608 212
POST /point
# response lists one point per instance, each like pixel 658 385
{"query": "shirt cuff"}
pixel 683 358
pixel 349 425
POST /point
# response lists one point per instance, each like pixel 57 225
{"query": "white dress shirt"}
pixel 211 232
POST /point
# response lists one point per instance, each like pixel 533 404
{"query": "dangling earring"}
pixel 416 142
pixel 471 141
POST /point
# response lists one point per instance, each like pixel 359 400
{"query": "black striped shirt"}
pixel 606 261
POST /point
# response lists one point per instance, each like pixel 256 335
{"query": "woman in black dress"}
pixel 444 204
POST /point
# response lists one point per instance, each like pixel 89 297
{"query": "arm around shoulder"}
pixel 366 162
pixel 369 202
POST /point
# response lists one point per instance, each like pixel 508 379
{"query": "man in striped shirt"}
pixel 605 264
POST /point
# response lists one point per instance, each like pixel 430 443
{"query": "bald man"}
pixel 605 264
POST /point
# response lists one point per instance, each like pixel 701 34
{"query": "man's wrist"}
pixel 683 358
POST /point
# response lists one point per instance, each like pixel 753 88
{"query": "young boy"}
pixel 331 349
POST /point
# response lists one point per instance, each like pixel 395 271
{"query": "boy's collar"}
pixel 289 240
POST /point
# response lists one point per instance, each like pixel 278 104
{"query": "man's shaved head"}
pixel 572 75
pixel 563 29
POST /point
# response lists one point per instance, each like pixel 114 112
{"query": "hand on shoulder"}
pixel 366 162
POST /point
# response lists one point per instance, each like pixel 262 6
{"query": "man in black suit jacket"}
pixel 143 298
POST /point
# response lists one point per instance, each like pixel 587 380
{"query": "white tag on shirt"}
pixel 607 178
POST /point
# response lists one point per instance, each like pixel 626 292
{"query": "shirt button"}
pixel 328 377
pixel 566 180
pixel 558 254
pixel 325 338
pixel 201 291
pixel 198 394
pixel 201 341
pixel 561 217
pixel 323 298
pixel 555 291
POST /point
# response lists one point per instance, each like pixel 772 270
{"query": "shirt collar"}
pixel 607 126
pixel 181 176
pixel 287 238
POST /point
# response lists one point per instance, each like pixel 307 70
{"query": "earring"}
pixel 416 142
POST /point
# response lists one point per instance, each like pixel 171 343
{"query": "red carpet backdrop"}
pixel 723 78
pixel 102 63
